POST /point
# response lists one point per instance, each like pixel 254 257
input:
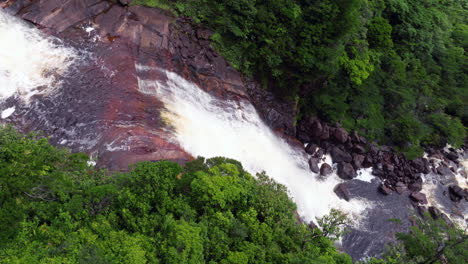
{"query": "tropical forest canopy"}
pixel 394 70
pixel 55 208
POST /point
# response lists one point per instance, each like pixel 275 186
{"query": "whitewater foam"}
pixel 8 112
pixel 206 126
pixel 30 62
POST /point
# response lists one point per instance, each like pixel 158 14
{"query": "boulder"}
pixel 311 148
pixel 434 212
pixel 456 193
pixel 346 171
pixel 358 160
pixel 313 165
pixel 339 155
pixel 443 170
pixel 389 167
pixel 325 169
pixel 359 149
pixel 400 187
pixel 342 191
pixel 421 165
pixel 368 161
pixel 340 135
pixel 316 128
pixel 373 149
pixel 384 189
pixel 319 153
pixel 354 137
pixel 325 135
pixel 415 186
pixel 452 156
pixel 418 197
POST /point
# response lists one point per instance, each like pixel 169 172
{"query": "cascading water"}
pixel 206 126
pixel 29 61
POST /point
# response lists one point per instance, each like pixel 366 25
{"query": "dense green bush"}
pixel 56 209
pixel 363 63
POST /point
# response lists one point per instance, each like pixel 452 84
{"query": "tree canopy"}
pixel 57 209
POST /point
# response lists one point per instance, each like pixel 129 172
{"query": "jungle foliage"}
pixel 394 70
pixel 57 209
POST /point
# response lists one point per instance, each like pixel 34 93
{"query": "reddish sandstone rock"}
pixel 101 108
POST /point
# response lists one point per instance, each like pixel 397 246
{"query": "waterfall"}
pixel 29 61
pixel 206 126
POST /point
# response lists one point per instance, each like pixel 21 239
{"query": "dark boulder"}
pixel 311 148
pixel 339 155
pixel 373 149
pixel 434 212
pixel 368 161
pixel 358 160
pixel 418 197
pixel 421 165
pixel 384 189
pixel 452 156
pixel 325 135
pixel 316 128
pixel 389 167
pixel 313 165
pixel 319 153
pixel 340 135
pixel 325 169
pixel 443 170
pixel 359 149
pixel 415 186
pixel 400 187
pixel 456 193
pixel 354 137
pixel 342 191
pixel 346 171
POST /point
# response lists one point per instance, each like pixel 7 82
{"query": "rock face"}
pixel 108 115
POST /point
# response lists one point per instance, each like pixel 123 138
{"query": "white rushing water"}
pixel 435 192
pixel 7 112
pixel 29 61
pixel 206 126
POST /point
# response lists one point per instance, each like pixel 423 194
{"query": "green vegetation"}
pixel 394 70
pixel 56 209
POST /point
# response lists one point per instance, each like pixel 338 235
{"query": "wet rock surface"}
pixel 370 237
pixel 99 107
